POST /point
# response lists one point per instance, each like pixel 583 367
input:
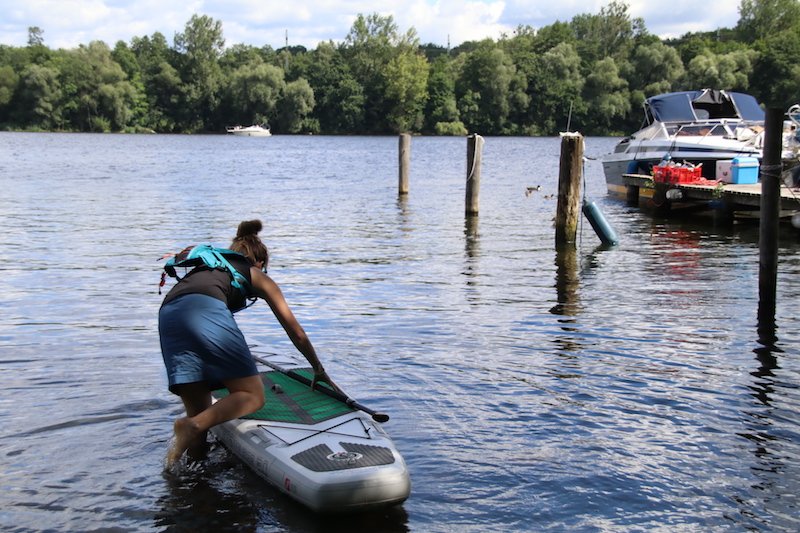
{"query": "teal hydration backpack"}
pixel 205 255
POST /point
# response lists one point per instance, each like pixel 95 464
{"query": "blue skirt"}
pixel 200 342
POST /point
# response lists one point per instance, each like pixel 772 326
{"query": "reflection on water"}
pixel 207 498
pixel 530 388
pixel 222 495
pixel 771 463
pixel 567 282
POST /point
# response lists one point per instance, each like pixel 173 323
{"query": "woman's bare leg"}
pixel 196 399
pixel 246 396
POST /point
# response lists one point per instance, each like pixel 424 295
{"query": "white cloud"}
pixel 676 17
pixel 68 23
pixel 455 20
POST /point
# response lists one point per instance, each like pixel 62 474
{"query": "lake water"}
pixel 620 389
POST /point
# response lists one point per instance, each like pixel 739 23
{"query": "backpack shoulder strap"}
pixel 211 257
pixel 238 281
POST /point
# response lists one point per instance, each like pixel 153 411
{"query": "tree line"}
pixel 591 74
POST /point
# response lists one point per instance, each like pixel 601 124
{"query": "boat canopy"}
pixel 708 104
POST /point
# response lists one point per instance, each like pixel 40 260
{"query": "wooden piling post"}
pixel 474 155
pixel 769 216
pixel 404 157
pixel 570 169
pixel 632 195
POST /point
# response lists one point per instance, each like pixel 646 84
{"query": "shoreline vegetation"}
pixel 591 74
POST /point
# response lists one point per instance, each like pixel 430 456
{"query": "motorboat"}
pixel 697 128
pixel 256 130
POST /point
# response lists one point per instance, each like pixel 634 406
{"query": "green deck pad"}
pixel 297 404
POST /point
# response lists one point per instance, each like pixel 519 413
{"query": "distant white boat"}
pixel 256 130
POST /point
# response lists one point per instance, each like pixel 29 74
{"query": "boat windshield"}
pixel 702 130
pixel 691 106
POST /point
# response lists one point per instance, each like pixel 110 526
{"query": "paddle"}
pixel 377 417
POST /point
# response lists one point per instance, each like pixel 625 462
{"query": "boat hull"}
pixel 251 133
pixel 641 158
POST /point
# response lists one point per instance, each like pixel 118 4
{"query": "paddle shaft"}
pixel 376 416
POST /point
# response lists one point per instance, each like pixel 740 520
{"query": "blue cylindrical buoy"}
pixel 601 226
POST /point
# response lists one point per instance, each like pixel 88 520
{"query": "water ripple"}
pixel 596 389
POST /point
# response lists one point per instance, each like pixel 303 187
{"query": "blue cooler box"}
pixel 744 170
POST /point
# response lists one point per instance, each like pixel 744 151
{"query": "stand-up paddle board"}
pixel 318 448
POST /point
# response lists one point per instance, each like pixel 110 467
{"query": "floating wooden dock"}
pixel 726 196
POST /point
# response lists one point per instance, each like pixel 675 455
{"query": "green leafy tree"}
pixel 655 67
pixel 39 53
pixel 200 46
pixel 776 71
pixel 338 95
pixel 465 48
pixel 433 51
pixel 242 54
pixel 775 25
pixel 351 116
pixel 759 19
pixel 719 41
pixel 8 84
pixel 469 107
pixel 254 91
pixel 522 50
pixel 730 71
pixel 294 60
pixel 161 80
pixel 441 111
pixel 548 61
pixel 371 45
pixel 41 94
pixel 126 59
pixel 237 56
pixel 406 90
pixel 548 37
pixel 35 36
pixel 381 80
pixel 296 106
pixel 487 87
pixel 606 96
pixel 610 33
pixel 557 87
pixel 367 50
pixel 14 56
pixel 97 94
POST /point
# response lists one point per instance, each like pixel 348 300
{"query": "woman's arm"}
pixel 267 289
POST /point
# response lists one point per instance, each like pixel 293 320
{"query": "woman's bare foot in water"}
pixel 186 435
pixel 199 448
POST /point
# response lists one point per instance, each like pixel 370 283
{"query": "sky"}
pixel 70 23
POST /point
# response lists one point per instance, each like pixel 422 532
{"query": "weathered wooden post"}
pixel 570 168
pixel 474 154
pixel 632 195
pixel 769 218
pixel 404 156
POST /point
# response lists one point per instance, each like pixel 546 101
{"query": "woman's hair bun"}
pixel 248 243
pixel 247 228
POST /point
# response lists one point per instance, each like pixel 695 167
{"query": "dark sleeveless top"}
pixel 215 283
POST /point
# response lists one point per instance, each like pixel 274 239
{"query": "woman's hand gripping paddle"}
pixel 376 416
